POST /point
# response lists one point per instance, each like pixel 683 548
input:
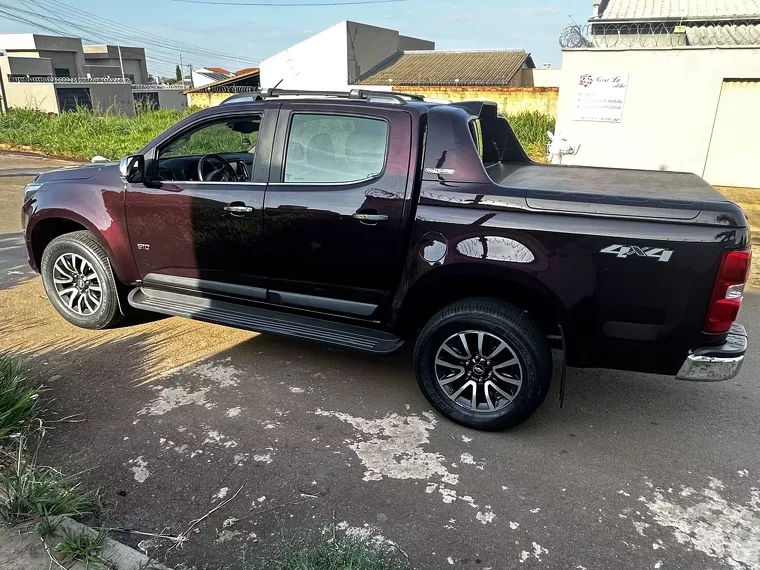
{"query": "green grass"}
pixel 20 404
pixel 83 547
pixel 530 129
pixel 350 552
pixel 35 493
pixel 83 134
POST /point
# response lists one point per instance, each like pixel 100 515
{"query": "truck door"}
pixel 203 230
pixel 334 206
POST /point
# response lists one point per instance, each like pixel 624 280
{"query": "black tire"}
pixel 506 322
pixel 85 245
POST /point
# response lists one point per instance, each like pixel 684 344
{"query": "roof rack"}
pixel 355 94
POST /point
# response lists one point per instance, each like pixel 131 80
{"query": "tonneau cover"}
pixel 648 193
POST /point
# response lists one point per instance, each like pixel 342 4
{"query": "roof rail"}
pixel 361 94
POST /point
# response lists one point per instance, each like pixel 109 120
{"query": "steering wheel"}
pixel 224 173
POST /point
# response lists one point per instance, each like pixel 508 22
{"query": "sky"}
pixel 241 36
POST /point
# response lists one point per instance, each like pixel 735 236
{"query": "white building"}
pixel 664 85
pixel 336 58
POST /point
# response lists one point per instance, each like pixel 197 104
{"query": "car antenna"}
pixel 278 84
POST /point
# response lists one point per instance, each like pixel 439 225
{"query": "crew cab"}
pixel 365 220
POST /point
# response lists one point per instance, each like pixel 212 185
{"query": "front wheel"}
pixel 79 282
pixel 483 363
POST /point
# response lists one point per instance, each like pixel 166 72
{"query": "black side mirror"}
pixel 132 168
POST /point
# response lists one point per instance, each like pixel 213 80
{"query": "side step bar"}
pixel 256 319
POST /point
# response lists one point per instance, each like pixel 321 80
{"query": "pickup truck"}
pixel 364 219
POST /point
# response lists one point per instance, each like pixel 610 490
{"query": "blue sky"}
pixel 251 33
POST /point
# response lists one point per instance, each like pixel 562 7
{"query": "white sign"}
pixel 601 97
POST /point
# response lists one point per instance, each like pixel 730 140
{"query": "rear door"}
pixel 334 206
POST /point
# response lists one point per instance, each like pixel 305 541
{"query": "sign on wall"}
pixel 601 97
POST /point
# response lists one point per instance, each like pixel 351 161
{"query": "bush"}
pixel 530 129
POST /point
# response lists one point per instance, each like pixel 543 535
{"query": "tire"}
pixel 92 309
pixel 510 399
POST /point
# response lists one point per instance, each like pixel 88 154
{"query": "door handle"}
pixel 238 208
pixel 370 218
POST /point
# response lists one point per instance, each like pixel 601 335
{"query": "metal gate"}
pixel 733 158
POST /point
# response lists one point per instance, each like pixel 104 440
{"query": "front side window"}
pixel 335 149
pixel 222 151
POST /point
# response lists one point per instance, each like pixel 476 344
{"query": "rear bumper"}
pixel 716 363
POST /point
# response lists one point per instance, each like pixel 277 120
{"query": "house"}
pixel 207 75
pixel 504 76
pixel 245 80
pixel 336 58
pixel 656 84
pixel 112 61
pixel 57 73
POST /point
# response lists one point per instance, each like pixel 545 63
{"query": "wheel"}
pixel 79 282
pixel 483 363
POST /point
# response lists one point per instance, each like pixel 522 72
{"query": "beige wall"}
pixel 669 111
pixel 204 100
pixel 116 98
pixel 511 100
pixel 40 96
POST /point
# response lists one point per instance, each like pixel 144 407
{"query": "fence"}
pixel 66 80
pixel 661 34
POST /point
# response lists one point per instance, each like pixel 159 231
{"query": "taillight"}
pixel 729 290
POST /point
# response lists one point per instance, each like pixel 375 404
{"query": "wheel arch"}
pixel 50 227
pixel 444 285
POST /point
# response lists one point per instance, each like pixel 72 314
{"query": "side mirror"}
pixel 132 168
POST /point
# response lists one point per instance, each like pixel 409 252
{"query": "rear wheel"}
pixel 483 363
pixel 79 282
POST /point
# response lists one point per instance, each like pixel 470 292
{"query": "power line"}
pixel 127 31
pixel 289 4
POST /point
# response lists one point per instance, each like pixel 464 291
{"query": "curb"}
pixel 13 172
pixel 120 556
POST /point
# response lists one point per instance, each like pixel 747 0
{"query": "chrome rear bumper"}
pixel 716 363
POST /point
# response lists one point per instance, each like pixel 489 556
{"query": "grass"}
pixel 33 493
pixel 19 399
pixel 530 129
pixel 83 134
pixel 327 552
pixel 83 547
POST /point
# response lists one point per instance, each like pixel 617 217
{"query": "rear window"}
pixel 335 149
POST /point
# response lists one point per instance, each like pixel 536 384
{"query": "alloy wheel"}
pixel 77 284
pixel 478 371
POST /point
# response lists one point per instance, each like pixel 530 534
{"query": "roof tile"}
pixel 496 67
pixel 649 9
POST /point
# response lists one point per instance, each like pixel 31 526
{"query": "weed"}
pixel 82 546
pixel 327 552
pixel 34 493
pixel 530 129
pixel 19 399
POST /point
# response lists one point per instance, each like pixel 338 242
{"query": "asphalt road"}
pixel 636 471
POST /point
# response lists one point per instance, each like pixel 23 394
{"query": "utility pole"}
pixel 121 63
pixel 182 71
pixel 192 83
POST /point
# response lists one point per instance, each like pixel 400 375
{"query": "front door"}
pixel 334 206
pixel 202 226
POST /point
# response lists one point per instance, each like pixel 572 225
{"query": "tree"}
pixel 179 74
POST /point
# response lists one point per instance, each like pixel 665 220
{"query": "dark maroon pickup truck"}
pixel 362 220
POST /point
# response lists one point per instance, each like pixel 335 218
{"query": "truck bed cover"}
pixel 657 194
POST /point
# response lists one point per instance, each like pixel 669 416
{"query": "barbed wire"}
pixel 661 35
pixel 52 79
pixel 226 89
pixel 155 86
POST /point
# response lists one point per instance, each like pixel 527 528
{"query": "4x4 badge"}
pixel 626 251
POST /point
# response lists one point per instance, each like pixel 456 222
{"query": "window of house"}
pixel 62 72
pixel 335 148
pixel 73 98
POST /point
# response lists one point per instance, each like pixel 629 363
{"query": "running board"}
pixel 256 319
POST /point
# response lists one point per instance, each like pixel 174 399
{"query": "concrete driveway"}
pixel 636 471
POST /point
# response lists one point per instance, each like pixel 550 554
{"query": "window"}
pixel 145 101
pixel 72 98
pixel 62 72
pixel 334 148
pixel 232 140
